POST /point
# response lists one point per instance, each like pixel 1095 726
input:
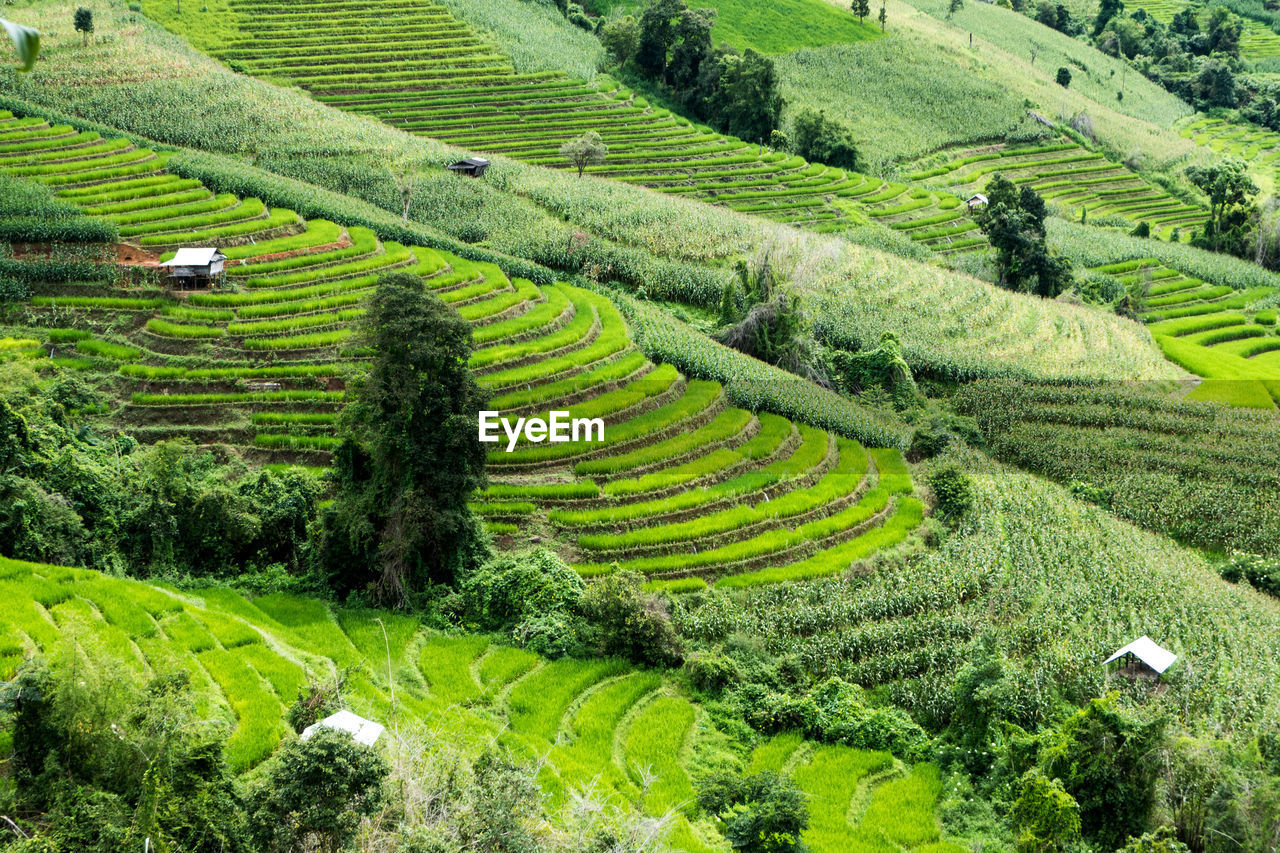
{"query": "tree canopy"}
pixel 1013 221
pixel 411 453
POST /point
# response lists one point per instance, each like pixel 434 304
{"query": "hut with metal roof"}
pixel 1142 659
pixel 196 268
pixel 361 730
pixel 472 166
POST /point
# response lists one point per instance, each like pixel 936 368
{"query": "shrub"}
pixel 316 793
pixel 1046 816
pixel 512 588
pixel 624 620
pixel 763 813
pixel 953 491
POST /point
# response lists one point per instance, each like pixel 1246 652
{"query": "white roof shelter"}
pixel 361 730
pixel 1146 650
pixel 977 199
pixel 195 258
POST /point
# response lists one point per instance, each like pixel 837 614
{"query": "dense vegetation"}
pixel 878 488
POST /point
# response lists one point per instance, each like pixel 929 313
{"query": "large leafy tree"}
pixel 1013 221
pixel 747 101
pixel 1229 188
pixel 411 453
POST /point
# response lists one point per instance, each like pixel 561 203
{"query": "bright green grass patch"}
pixel 445 663
pixel 505 664
pixel 539 702
pixel 104 349
pixel 773 754
pixel 830 779
pixel 677 586
pixel 1246 393
pixel 654 743
pixel 66 336
pixel 901 813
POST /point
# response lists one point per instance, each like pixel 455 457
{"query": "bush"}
pixel 316 793
pixel 514 588
pixel 711 671
pixel 953 491
pixel 622 619
pixel 822 140
pixel 764 813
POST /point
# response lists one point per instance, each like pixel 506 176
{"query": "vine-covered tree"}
pixel 411 453
pixel 1013 221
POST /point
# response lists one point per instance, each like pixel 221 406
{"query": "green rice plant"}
pixel 66 336
pixel 609 372
pixel 285 677
pixel 724 426
pixel 303 418
pixel 501 528
pixel 829 779
pixel 772 755
pixel 13 344
pixel 654 745
pixel 165 329
pixel 551 491
pixel 105 349
pixel 183 629
pixel 575 330
pixel 108 303
pixel 319 232
pixel 538 702
pixel 288 441
pixel 499 510
pixel 586 760
pixel 503 665
pixel 258 712
pixel 277 218
pixel 909 514
pixel 558 299
pixel 230 632
pixel 211 399
pixel 901 813
pixel 393 255
pixel 677 586
pixel 312 341
pixel 445 662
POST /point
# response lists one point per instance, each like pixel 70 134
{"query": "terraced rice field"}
pixel 1065 175
pixel 260 365
pixel 1257 41
pixel 596 723
pixel 1258 147
pixel 1209 329
pixel 417 68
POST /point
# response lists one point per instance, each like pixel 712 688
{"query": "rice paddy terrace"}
pixel 686 487
pixel 597 723
pixel 1212 330
pixel 1258 43
pixel 1258 147
pixel 417 68
pixel 1064 174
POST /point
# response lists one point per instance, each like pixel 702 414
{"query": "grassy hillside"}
pixel 538 213
pixel 776 27
pixel 595 723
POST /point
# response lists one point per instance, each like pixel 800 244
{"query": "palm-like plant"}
pixel 26 40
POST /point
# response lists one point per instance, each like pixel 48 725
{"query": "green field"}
pixel 779 27
pixel 247 660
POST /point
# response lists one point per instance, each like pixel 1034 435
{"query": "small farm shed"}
pixel 361 730
pixel 976 200
pixel 1142 659
pixel 196 267
pixel 473 166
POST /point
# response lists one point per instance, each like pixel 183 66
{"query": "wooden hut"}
pixel 472 166
pixel 976 201
pixel 196 268
pixel 1142 659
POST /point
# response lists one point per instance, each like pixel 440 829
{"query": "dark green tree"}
pixel 411 454
pixel 1063 77
pixel 657 35
pixel 692 48
pixel 1107 10
pixel 954 6
pixel 822 140
pixel 861 8
pixel 1230 189
pixel 764 813
pixel 621 37
pixel 1013 221
pixel 747 103
pixel 316 792
pixel 1106 761
pixel 84 23
pixel 1047 818
pixel 883 16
